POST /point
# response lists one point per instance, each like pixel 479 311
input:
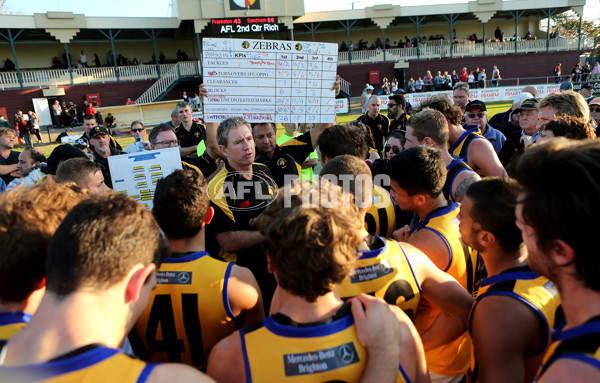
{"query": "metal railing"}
pixel 441 49
pixel 345 86
pixel 167 78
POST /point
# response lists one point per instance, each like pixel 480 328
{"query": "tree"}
pixel 567 24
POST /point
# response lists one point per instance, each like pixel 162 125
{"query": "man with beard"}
pixel 100 140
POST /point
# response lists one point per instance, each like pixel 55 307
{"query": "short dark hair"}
pixel 182 104
pixel 399 99
pixel 418 170
pixel 338 140
pixel 564 210
pixel 494 201
pixel 570 127
pixel 157 129
pixel 136 122
pixel 180 203
pixel 76 170
pixel 89 117
pixel 36 155
pixel 99 241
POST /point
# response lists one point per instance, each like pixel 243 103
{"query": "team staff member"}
pixel 24 238
pixel 207 298
pixel 100 270
pixel 507 348
pixel 398 272
pixel 162 136
pixel 476 115
pixel 397 112
pixel 239 192
pixel 191 135
pixel 312 337
pixel 286 159
pixel 529 133
pixel 89 123
pixel 100 141
pixel 561 242
pixel 417 178
pixel 377 122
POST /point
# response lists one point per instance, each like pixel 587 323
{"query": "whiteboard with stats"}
pixel 136 174
pixel 269 80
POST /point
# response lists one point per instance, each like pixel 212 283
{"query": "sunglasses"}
pixel 392 104
pixel 597 110
pixel 394 149
pixel 137 130
pixel 472 115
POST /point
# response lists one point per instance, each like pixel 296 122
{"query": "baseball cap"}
pixel 98 130
pixel 475 104
pixel 529 104
pixel 566 85
pixel 595 101
pixel 370 87
pixel 587 85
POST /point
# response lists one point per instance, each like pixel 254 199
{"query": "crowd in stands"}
pixel 436 244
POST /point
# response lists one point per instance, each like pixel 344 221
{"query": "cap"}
pixel 98 130
pixel 529 104
pixel 370 87
pixel 61 153
pixel 400 91
pixel 566 85
pixel 475 104
pixel 587 85
pixel 595 101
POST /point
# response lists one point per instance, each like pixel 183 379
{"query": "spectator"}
pixel 412 85
pixel 594 106
pixel 476 115
pixel 558 72
pixel 471 80
pixel 495 77
pixel 83 59
pixel 498 34
pixel 481 78
pixel 129 101
pixel 96 60
pixel 138 132
pixel 596 71
pixel 419 85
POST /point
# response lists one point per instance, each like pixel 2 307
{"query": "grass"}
pixel 126 139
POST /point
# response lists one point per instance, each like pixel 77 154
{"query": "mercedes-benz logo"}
pixel 346 354
pixel 183 277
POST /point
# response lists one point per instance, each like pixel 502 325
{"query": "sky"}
pixel 162 8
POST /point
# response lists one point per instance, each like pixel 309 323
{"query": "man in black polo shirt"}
pixel 89 123
pixel 397 112
pixel 286 159
pixel 100 140
pixel 377 122
pixel 240 191
pixel 8 157
pixel 190 135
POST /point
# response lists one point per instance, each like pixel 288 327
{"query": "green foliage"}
pixel 568 25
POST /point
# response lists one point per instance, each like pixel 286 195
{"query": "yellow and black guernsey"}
pixel 381 217
pixel 455 167
pixel 188 312
pixel 461 147
pixel 279 349
pixel 196 134
pixel 451 359
pixel 287 158
pixel 384 272
pixel 93 363
pixel 529 288
pixel 236 201
pixel 12 322
pixel 581 344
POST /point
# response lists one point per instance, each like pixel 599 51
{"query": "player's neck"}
pixel 579 303
pixel 371 115
pixel 445 155
pixel 186 245
pixel 292 133
pixel 105 154
pixel 29 305
pixel 302 311
pixel 434 203
pixel 187 126
pixel 498 260
pixel 61 326
pixel 455 132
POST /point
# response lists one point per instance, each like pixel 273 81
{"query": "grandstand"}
pixel 32 42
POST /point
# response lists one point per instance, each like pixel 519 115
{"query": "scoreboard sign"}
pixel 244 25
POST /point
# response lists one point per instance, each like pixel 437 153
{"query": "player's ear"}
pixel 486 238
pixel 562 253
pixel 210 213
pixel 136 279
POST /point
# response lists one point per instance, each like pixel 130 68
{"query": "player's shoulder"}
pixel 170 372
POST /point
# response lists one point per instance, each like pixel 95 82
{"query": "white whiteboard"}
pixel 42 109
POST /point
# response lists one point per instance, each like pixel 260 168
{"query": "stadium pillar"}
pixel 451 18
pixel 484 39
pixel 579 41
pixel 312 28
pixel 516 15
pixel 549 13
pixel 11 40
pixel 383 39
pixel 153 35
pixel 69 62
pixel 199 52
pixel 347 26
pixel 112 38
pixel 417 20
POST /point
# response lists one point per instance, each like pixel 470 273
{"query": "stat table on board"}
pixel 269 81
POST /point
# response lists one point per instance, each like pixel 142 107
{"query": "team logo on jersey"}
pixel 281 163
pixel 174 278
pixel 317 361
